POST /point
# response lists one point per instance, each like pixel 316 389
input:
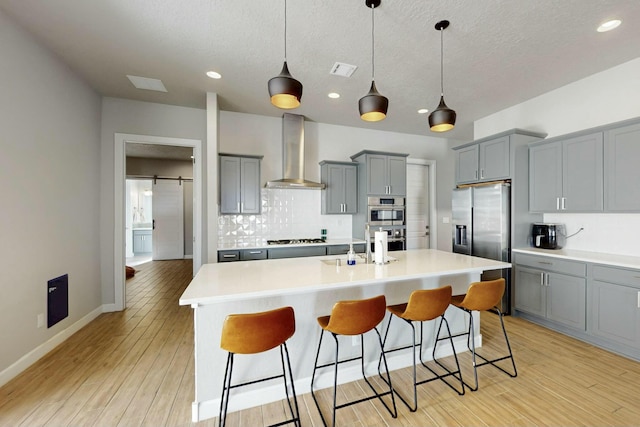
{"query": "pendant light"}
pixel 442 118
pixel 373 106
pixel 285 91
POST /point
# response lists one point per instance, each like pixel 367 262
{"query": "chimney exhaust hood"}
pixel 293 156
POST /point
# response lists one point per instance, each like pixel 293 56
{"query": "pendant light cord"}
pixel 285 30
pixel 373 63
pixel 441 64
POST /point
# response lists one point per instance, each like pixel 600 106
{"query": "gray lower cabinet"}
pixel 551 289
pixel 142 241
pixel 343 249
pixel 621 171
pixel 341 193
pixel 296 252
pixel 229 255
pixel 614 307
pixel 253 254
pixel 239 184
pixel 567 175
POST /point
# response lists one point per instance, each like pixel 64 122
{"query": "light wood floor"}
pixel 136 368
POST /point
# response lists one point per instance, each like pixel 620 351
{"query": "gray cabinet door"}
pixel 229 185
pixel 582 177
pixel 530 291
pixel 377 175
pixel 250 200
pixel 614 313
pixel 397 175
pixel 545 177
pixel 340 194
pixel 566 300
pixel 351 189
pixel 335 189
pixel 621 171
pixel 239 185
pixel 494 159
pixel 467 164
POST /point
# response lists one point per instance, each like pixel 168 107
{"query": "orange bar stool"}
pixel 423 306
pixel 355 317
pixel 484 296
pixel 256 333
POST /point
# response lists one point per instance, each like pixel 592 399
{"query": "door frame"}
pixel 120 141
pixel 433 224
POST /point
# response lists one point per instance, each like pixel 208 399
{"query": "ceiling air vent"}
pixel 342 69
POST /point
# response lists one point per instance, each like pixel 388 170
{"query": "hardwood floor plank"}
pixel 136 368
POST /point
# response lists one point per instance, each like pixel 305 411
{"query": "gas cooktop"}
pixel 293 241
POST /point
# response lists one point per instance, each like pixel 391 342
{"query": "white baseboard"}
pixel 188 256
pixel 37 353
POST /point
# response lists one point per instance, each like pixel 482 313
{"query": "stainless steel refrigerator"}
pixel 481 223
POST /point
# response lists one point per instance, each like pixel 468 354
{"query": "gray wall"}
pixel 139 118
pixel 50 186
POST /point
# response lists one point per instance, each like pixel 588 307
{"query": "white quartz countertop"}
pixel 328 242
pixel 592 257
pixel 233 281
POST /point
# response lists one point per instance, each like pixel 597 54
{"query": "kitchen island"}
pixel 311 286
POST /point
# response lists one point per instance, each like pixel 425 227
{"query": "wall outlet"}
pixel 445 220
pixel 40 320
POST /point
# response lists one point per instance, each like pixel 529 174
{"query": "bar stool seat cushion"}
pixel 257 332
pixel 480 296
pixel 354 317
pixel 423 304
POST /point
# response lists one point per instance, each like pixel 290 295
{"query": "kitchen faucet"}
pixel 367 239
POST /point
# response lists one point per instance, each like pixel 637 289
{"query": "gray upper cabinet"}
pixel 239 184
pixel 340 194
pixel 385 173
pixel 485 161
pixel 567 175
pixel 621 171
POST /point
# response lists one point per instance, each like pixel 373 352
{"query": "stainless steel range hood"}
pixel 293 156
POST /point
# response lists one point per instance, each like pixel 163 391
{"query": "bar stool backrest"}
pixel 257 332
pixel 427 304
pixel 355 317
pixel 483 295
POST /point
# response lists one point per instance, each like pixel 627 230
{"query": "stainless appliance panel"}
pixel 481 227
pixel 461 220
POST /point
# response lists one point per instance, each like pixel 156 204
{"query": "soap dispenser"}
pixel 351 255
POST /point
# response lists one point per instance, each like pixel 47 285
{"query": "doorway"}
pixel 121 140
pixel 420 215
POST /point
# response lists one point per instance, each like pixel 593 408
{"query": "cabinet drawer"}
pixel 251 254
pixel 573 268
pixel 343 249
pixel 227 256
pixel 297 252
pixel 621 276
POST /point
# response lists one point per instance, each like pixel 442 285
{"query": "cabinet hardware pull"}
pixel 476 174
pixel 228 256
pixel 557 203
pixel 541 279
pixel 545 262
pixel 547 279
pixel 255 252
pixel 482 173
pixel 564 199
pixel 638 299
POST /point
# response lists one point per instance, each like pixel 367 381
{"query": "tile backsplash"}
pixel 286 214
pixel 608 233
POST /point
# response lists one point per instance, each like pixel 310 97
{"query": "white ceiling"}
pixel 497 53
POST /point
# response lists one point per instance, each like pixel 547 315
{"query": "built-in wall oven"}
pixel 388 214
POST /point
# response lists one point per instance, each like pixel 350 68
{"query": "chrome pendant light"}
pixel 373 106
pixel 442 118
pixel 285 91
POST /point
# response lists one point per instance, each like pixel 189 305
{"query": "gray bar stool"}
pixel 425 305
pixel 256 333
pixel 355 317
pixel 484 296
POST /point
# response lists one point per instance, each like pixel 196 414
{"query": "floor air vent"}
pixel 57 299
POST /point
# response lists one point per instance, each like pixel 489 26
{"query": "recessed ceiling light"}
pixel 423 111
pixel 609 25
pixel 334 95
pixel 147 83
pixel 214 75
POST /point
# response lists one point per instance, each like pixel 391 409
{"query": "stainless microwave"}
pixel 385 211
